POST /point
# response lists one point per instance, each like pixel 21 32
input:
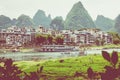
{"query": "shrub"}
pixel 112 72
pixel 61 61
pixel 9 71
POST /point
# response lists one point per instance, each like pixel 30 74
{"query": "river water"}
pixel 20 56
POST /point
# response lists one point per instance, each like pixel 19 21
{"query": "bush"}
pixel 116 41
pixel 9 71
pixel 112 72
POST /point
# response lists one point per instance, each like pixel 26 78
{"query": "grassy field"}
pixel 56 68
pixel 106 46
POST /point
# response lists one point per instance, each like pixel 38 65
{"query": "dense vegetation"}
pixel 116 37
pixel 112 71
pixel 78 18
pixel 48 39
pixel 9 71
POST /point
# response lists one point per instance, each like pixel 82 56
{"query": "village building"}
pixel 14 36
pixel 87 36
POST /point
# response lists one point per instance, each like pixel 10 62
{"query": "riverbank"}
pixel 108 46
pixel 23 50
pixel 35 56
pixel 37 49
pixel 62 67
pixel 65 67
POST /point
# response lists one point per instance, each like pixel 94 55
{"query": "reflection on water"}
pixel 49 55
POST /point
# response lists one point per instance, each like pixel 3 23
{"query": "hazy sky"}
pixel 14 8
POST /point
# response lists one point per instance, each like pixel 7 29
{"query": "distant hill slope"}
pixel 24 21
pixel 5 22
pixel 78 18
pixel 41 19
pixel 104 23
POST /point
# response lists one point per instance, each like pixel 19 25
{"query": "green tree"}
pixel 50 39
pixel 40 39
pixel 116 41
pixel 115 37
pixel 59 40
pixel 97 42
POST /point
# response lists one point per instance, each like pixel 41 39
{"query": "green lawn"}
pixel 55 68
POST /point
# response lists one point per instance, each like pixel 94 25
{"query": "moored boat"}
pixel 56 48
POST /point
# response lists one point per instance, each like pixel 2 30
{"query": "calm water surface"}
pixel 49 55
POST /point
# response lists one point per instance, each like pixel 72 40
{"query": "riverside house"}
pixel 15 36
pixel 79 37
pixel 88 36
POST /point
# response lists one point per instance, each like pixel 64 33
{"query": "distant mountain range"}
pixel 104 23
pixel 77 18
pixel 25 21
pixel 107 24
